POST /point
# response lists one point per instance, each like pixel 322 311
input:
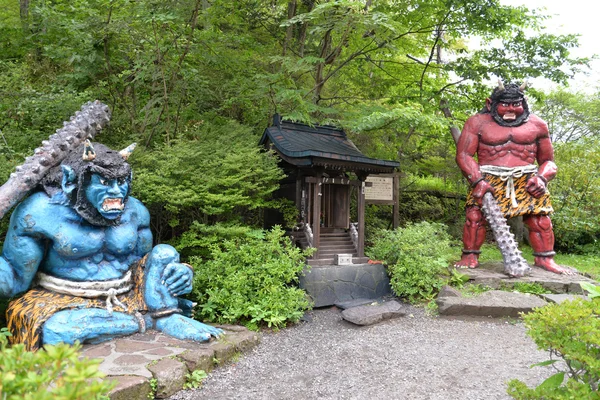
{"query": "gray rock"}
pixel 130 387
pixel 198 359
pixel 169 375
pixel 449 291
pixel 559 298
pixel 495 303
pixel 372 314
pixel 355 303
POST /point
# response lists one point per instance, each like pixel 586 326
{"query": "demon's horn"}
pixel 88 151
pixel 523 86
pixel 126 152
pixel 500 85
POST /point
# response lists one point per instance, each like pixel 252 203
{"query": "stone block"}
pixel 224 351
pixel 198 359
pixel 169 375
pixel 374 313
pixel 130 388
pixel 355 303
pixel 243 341
pixel 330 284
pixel 367 281
pixel 559 298
pixel 449 291
pixel 494 303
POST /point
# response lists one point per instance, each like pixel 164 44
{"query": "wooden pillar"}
pixel 361 217
pixel 299 178
pixel 316 217
pixel 396 209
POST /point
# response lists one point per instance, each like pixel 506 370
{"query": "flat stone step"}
pixel 336 240
pixel 492 274
pixel 495 303
pixel 370 314
pixel 132 361
pixel 341 248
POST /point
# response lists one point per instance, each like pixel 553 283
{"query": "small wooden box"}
pixel 343 259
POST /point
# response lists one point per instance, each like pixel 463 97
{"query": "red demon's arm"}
pixel 545 154
pixel 466 148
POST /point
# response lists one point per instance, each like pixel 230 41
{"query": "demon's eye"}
pixel 517 104
pixel 104 181
pixel 121 181
pixel 504 104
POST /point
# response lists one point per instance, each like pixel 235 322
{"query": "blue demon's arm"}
pixel 177 277
pixel 144 235
pixel 23 251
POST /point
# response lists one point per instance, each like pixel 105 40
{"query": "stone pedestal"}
pixel 331 284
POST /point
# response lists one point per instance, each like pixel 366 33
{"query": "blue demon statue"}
pixel 81 249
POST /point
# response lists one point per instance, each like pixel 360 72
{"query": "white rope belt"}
pixel 90 289
pixel 507 174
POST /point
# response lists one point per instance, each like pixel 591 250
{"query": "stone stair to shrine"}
pixel 335 241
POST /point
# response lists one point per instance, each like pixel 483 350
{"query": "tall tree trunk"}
pixel 290 29
pixel 304 27
pixel 319 80
pixel 24 14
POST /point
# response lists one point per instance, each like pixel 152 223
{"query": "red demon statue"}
pixel 508 140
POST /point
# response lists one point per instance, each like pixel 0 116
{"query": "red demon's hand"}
pixel 481 188
pixel 536 186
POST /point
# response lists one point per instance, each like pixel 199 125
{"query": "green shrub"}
pixel 51 373
pixel 417 258
pixel 570 331
pixel 251 280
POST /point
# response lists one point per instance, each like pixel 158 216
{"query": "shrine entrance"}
pixel 325 173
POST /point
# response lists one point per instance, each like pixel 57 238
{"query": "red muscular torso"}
pixel 501 145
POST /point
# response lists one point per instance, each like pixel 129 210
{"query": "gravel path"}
pixel 415 357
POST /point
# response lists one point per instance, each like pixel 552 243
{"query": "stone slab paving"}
pixel 133 361
pixel 492 274
pixel 559 298
pixel 497 303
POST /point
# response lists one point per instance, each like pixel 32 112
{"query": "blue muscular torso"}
pixel 56 240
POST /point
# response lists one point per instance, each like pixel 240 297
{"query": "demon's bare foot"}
pixel 184 328
pixel 549 264
pixel 470 260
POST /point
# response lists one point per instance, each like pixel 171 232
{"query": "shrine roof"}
pixel 305 145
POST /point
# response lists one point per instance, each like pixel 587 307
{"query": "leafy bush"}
pixel 51 373
pixel 570 331
pixel 216 174
pixel 416 256
pixel 200 238
pixel 251 280
pixel 576 196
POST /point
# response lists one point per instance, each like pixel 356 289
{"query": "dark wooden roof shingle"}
pixel 308 145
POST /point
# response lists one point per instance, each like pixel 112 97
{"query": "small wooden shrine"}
pixel 323 170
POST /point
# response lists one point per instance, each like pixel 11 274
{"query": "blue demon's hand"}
pixel 177 277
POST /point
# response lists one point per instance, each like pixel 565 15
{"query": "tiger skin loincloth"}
pixel 26 315
pixel 524 203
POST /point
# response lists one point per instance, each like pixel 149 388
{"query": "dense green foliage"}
pixel 251 280
pixel 216 173
pixel 195 82
pixel 416 258
pixel 576 196
pixel 570 331
pixel 191 80
pixel 52 373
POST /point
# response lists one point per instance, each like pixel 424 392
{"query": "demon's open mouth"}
pixel 509 116
pixel 112 204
